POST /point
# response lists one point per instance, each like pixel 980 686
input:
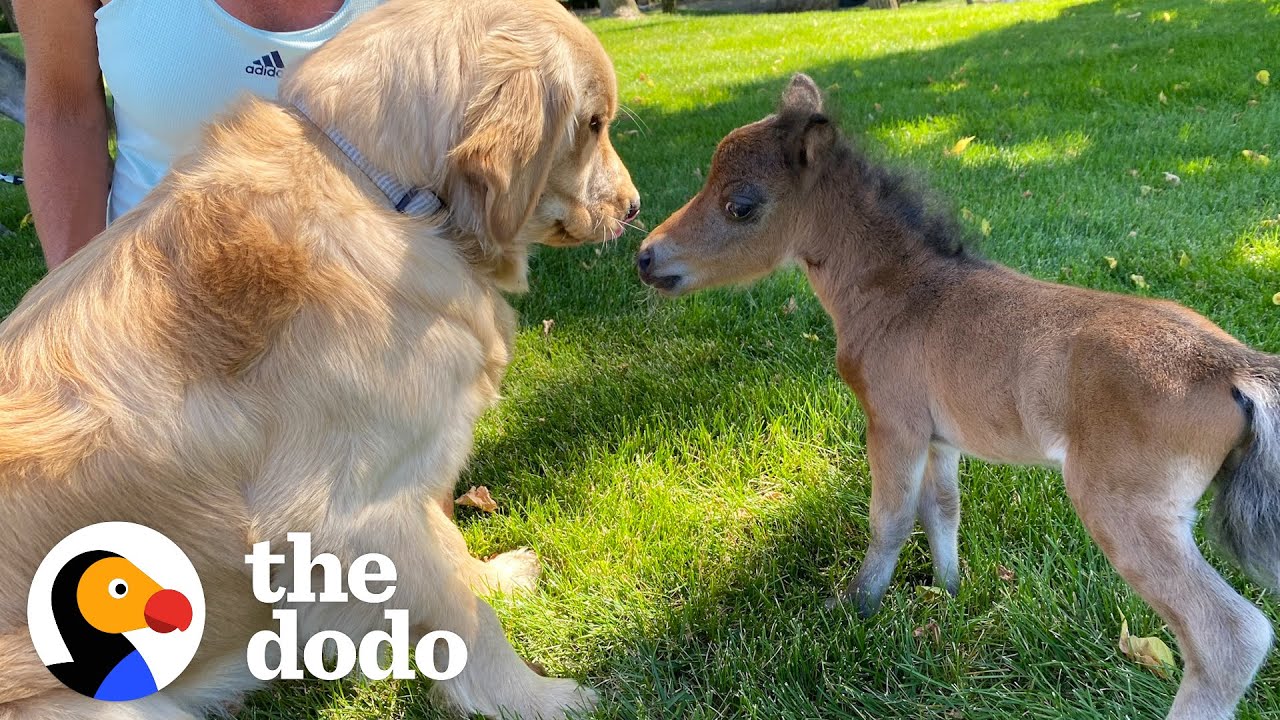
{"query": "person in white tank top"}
pixel 171 66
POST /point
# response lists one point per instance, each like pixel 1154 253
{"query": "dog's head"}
pixel 501 107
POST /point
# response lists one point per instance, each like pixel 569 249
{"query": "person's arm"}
pixel 65 157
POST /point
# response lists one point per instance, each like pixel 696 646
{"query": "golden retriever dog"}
pixel 265 345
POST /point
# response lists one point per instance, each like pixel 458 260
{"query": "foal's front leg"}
pixel 898 452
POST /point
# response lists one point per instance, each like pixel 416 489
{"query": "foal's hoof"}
pixel 515 572
pixel 865 606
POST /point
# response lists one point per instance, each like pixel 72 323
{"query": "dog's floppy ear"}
pixel 512 126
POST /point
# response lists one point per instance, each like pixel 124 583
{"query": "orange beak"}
pixel 168 610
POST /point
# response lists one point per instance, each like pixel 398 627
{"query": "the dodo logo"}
pixel 116 611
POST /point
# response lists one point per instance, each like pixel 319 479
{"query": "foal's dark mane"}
pixel 903 197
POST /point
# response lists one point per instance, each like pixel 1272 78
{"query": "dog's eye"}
pixel 595 124
pixel 740 208
pixel 118 588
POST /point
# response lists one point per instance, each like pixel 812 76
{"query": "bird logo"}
pixel 115 611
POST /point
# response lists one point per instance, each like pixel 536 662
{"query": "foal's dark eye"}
pixel 740 207
pixel 595 124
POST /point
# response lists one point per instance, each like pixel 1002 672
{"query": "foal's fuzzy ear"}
pixel 807 140
pixel 512 127
pixel 802 96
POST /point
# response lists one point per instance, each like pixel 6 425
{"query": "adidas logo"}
pixel 271 65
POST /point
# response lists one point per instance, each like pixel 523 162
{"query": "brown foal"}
pixel 1143 404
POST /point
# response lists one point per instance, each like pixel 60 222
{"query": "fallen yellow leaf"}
pixel 1151 652
pixel 1164 99
pixel 479 498
pixel 986 227
pixel 1138 280
pixel 961 145
pixel 1263 77
pixel 1256 157
pixel 1276 298
pixel 930 594
pixel 1184 260
pixel 1111 262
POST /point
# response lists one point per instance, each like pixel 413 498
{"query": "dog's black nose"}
pixel 633 210
pixel 644 259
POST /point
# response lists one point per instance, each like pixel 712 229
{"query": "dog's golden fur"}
pixel 1143 404
pixel 264 345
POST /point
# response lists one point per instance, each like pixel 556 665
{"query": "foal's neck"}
pixel 878 255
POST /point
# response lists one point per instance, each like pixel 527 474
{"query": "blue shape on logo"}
pixel 130 679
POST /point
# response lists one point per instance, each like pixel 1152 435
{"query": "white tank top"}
pixel 173 65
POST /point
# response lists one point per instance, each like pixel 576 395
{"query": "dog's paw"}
pixel 527 698
pixel 515 572
pixel 560 699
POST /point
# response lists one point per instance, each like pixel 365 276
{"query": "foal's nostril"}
pixel 644 259
pixel 633 210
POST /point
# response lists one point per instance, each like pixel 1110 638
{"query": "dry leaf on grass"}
pixel 1138 280
pixel 1148 651
pixel 930 595
pixel 1263 77
pixel 479 498
pixel 791 306
pixel 929 631
pixel 1276 298
pixel 961 145
pixel 1005 573
pixel 1111 262
pixel 1255 157
pixel 547 325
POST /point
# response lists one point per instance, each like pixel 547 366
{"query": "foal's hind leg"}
pixel 1144 528
pixel 939 515
pixel 898 457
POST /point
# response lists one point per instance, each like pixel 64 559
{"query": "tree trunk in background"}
pixel 619 8
pixel 883 4
pixel 669 6
pixel 6 7
pixel 13 74
pixel 806 5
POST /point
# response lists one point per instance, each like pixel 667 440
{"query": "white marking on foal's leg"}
pixel 897 468
pixel 939 515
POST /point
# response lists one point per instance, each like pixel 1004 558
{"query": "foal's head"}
pixel 757 200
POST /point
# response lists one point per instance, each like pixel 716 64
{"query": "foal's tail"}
pixel 1245 518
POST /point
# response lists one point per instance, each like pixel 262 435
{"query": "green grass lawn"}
pixel 693 472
